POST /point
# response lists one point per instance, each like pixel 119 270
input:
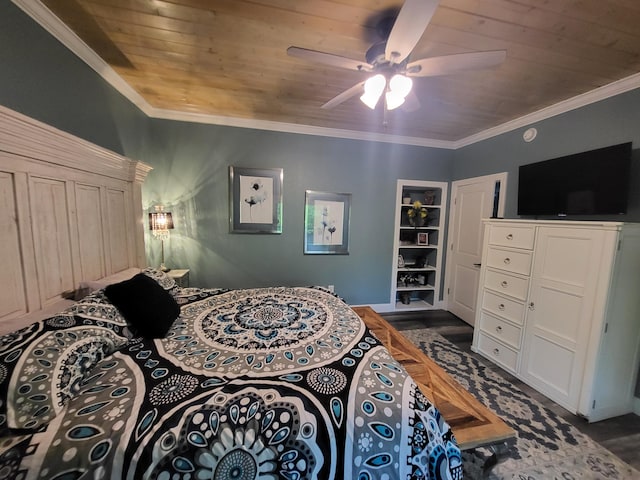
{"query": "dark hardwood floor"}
pixel 620 435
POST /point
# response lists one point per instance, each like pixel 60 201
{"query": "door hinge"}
pixel 619 244
pixel 593 406
pixel 448 291
pixel 606 327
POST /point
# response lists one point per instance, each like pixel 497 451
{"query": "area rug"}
pixel 546 447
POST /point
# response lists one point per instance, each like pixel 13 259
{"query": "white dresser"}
pixel 559 307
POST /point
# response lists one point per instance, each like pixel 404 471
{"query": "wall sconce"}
pixel 160 222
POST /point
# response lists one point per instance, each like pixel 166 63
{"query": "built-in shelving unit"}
pixel 417 262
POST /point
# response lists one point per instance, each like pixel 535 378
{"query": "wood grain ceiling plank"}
pixel 169 65
pixel 518 33
pixel 256 59
pixel 244 21
pixel 583 23
pixel 628 4
pixel 616 15
pixel 536 56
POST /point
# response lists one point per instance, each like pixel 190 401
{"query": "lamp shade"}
pixel 401 85
pixel 373 88
pixel 160 221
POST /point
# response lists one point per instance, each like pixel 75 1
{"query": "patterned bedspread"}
pixel 273 383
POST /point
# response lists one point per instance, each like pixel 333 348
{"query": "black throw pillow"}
pixel 147 307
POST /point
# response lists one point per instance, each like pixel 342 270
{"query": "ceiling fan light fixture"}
pixel 373 89
pixel 400 85
pixel 399 88
pixel 393 100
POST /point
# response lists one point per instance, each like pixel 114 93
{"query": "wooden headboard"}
pixel 70 211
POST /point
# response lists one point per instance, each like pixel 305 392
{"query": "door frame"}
pixel 503 177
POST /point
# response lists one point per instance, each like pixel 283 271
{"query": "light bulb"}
pixel 393 100
pixel 401 85
pixel 373 88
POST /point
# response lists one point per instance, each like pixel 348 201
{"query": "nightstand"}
pixel 180 276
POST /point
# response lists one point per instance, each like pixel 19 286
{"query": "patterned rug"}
pixel 546 447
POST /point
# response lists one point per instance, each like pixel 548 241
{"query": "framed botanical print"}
pixel 326 223
pixel 255 200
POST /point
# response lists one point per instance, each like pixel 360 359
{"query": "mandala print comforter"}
pixel 274 383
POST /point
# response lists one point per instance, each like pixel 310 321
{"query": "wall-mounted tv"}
pixel 588 183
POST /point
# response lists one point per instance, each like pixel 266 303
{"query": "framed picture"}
pixel 326 222
pixel 423 238
pixel 255 200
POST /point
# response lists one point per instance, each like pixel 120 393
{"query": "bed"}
pixel 269 383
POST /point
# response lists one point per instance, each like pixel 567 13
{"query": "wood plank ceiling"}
pixel 229 57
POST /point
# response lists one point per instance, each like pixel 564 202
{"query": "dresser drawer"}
pixel 508 284
pixel 497 352
pixel 509 260
pixel 512 236
pixel 503 331
pixel 503 307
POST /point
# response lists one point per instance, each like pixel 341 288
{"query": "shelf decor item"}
pixel 255 200
pixel 326 223
pixel 417 214
pixel 429 197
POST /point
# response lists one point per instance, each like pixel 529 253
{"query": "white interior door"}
pixel 472 200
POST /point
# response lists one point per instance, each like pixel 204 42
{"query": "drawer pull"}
pixel 504 284
pixel 499 329
pixel 501 307
pixel 496 351
pixel 532 306
pixel 510 236
pixel 507 261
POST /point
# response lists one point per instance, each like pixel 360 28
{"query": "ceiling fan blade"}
pixel 411 23
pixel 358 88
pixel 328 59
pixel 448 64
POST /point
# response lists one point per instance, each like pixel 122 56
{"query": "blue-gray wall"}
pixel 44 80
pixel 608 122
pixel 191 178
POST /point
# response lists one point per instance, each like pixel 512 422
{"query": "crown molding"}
pixel 43 16
pixel 52 24
pixel 610 90
pixel 295 128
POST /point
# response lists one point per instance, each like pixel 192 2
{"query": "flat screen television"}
pixel 588 183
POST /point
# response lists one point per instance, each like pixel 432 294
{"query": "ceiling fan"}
pixel 388 60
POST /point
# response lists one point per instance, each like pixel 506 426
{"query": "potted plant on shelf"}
pixel 417 214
